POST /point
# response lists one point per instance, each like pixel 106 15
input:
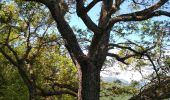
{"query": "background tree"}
pixel 25 40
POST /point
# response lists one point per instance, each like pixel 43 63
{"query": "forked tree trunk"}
pixel 89 83
pixel 89 74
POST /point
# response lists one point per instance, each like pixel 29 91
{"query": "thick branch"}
pixel 130 49
pixel 66 31
pixel 116 6
pixel 8 57
pixel 134 17
pixel 141 15
pixel 63 27
pixel 82 13
pixel 91 5
pixel 13 51
pixel 121 59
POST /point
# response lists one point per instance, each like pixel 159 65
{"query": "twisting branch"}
pixel 141 15
pixel 135 53
pixel 121 59
pixel 111 46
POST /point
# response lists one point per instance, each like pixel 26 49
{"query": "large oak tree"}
pixel 89 65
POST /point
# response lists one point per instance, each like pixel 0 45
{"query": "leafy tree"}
pixel 25 40
pixel 90 65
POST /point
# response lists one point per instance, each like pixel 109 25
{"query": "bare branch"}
pixel 154 67
pixel 130 49
pixel 121 59
pixel 141 15
pixel 135 52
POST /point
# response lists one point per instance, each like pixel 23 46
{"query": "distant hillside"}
pixel 111 79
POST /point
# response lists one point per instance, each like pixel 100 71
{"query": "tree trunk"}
pixel 28 82
pixel 89 82
pixel 32 95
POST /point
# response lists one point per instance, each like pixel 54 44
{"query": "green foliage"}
pixel 50 67
pixel 26 26
pixel 167 62
pixel 11 84
pixel 116 90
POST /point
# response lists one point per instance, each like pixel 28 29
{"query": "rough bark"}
pixel 89 82
pixel 89 76
pixel 29 82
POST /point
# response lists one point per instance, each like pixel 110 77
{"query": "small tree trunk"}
pixel 89 83
pixel 32 95
pixel 28 82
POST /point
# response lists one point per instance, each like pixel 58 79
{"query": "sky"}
pixel 127 75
